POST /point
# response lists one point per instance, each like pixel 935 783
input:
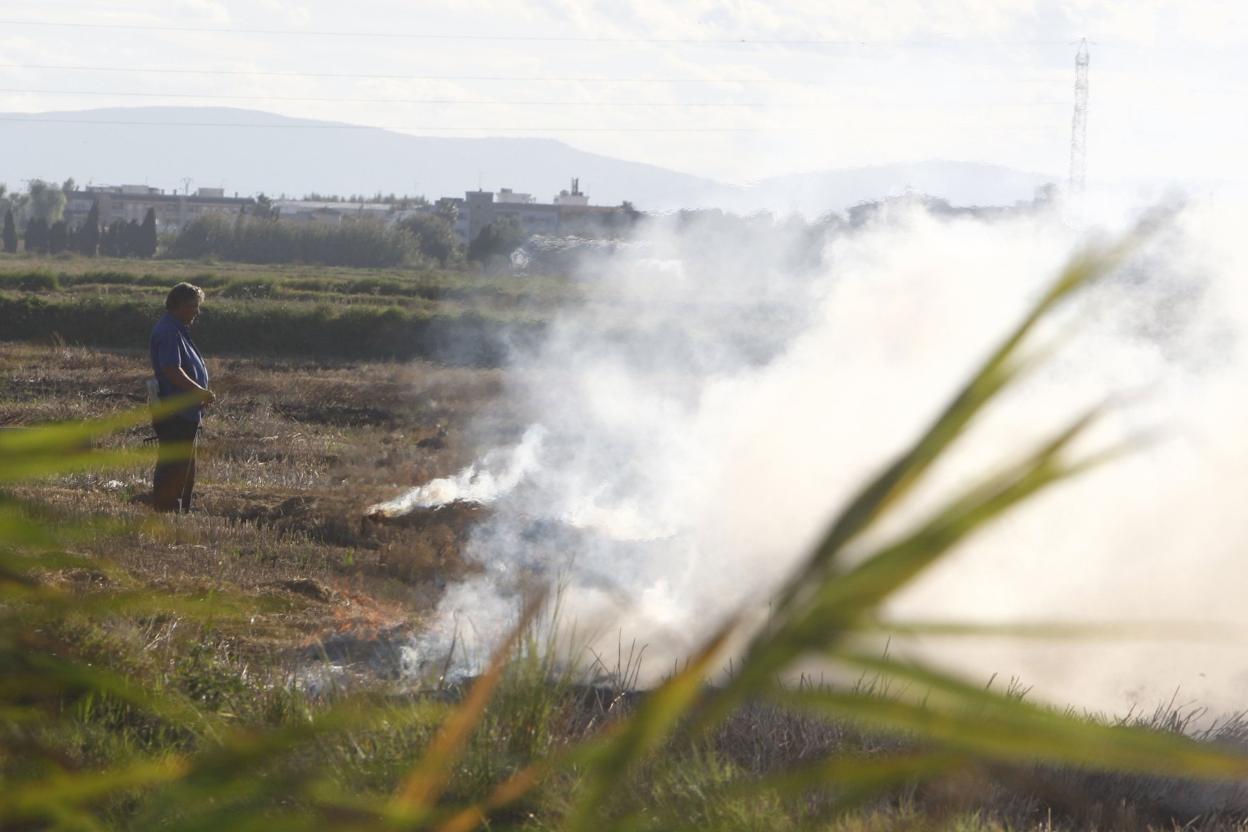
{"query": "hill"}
pixel 250 151
pixel 961 183
pixel 276 154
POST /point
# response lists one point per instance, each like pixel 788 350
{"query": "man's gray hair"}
pixel 183 293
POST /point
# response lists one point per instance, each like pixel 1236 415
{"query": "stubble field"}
pixel 291 455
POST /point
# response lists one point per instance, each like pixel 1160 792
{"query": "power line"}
pixel 432 36
pixel 440 101
pixel 140 70
pixel 485 102
pixel 393 77
pixel 421 128
pixel 464 128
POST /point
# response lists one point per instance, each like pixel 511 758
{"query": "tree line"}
pixel 262 237
pixel 116 239
pixel 45 231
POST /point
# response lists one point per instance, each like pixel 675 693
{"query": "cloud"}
pixel 980 79
pixel 202 11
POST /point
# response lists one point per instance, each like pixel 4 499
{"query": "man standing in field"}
pixel 179 369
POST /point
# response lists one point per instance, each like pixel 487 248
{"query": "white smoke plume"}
pixel 493 477
pixel 713 403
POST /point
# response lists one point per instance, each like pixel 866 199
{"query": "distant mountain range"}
pixel 961 183
pixel 161 146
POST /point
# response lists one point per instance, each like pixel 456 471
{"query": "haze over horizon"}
pixel 181 147
pixel 733 94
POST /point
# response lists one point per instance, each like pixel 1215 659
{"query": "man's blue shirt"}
pixel 171 346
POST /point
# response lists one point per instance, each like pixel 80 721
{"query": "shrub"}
pixel 358 243
pixel 37 236
pixel 10 232
pixel 496 241
pixel 274 328
pixel 31 281
pixel 435 237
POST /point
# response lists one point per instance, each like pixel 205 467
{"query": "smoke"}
pixel 495 476
pixel 723 390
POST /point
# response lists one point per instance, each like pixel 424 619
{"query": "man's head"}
pixel 183 302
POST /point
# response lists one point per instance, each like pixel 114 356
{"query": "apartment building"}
pixel 132 202
pixel 567 213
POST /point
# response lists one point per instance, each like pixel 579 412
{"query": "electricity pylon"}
pixel 1079 125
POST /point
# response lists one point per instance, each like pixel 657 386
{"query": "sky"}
pixel 735 91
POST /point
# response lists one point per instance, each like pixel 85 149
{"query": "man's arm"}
pixel 176 376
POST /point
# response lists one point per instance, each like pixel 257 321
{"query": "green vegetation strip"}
pixel 275 283
pixel 457 337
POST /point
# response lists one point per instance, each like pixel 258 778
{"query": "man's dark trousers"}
pixel 174 479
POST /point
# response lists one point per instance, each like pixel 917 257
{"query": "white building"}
pixel 330 212
pixel 567 212
pixel 132 202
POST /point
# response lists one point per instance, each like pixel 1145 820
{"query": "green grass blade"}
pixel 967 718
pixel 853 778
pixel 1046 630
pixel 994 375
pixel 420 790
pixel 833 608
pixel 765 655
pixel 71 676
pixel 25 467
pixel 641 734
pixel 69 436
pixel 42 799
pixel 18 529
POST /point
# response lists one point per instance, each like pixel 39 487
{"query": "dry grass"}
pixel 291 455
